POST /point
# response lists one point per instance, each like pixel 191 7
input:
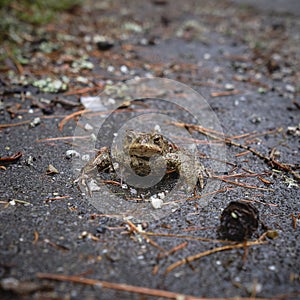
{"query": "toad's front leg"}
pixel 100 163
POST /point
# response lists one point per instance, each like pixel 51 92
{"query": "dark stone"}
pixel 105 45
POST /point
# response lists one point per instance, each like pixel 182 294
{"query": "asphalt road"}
pixel 234 57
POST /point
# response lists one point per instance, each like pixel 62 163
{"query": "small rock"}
pixel 71 154
pixel 133 191
pixel 262 90
pixel 35 122
pixel 207 56
pixel 253 288
pixel 229 87
pixel 256 119
pixel 93 186
pixel 156 202
pixel 272 234
pixel 272 268
pixel 88 127
pixel 290 88
pixel 29 161
pixel 293 130
pixel 12 202
pixel 101 229
pixel 124 69
pixel 85 157
pixel 161 195
pixel 104 43
pixel 51 170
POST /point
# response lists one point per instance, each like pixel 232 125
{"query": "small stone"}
pixel 101 229
pixel 256 119
pixel 272 234
pixel 71 154
pixel 124 69
pixel 293 130
pixel 156 202
pixel 12 202
pixel 207 56
pixel 253 288
pixel 105 44
pixel 110 69
pixel 272 268
pixel 93 186
pixel 88 127
pixel 51 170
pixel 35 122
pixel 262 90
pixel 133 191
pixel 161 195
pixel 229 87
pixel 29 161
pixel 290 88
pixel 85 157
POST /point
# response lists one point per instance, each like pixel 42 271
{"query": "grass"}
pixel 18 19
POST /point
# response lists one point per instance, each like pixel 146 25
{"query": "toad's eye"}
pixel 156 140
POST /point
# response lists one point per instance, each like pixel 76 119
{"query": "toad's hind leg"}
pixel 187 166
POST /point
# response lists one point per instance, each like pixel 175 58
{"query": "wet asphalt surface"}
pixel 62 247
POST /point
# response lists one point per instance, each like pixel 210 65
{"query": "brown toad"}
pixel 142 152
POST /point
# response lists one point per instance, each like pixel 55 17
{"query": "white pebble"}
pixel 272 268
pixel 290 88
pixel 72 153
pixel 133 191
pixel 88 127
pixel 124 69
pixel 85 157
pixel 156 202
pixel 161 195
pixel 229 87
pixel 207 56
pixel 110 69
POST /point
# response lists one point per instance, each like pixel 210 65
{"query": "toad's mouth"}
pixel 145 150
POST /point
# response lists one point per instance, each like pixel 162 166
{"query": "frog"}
pixel 140 152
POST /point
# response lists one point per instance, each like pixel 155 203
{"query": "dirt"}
pixel 49 226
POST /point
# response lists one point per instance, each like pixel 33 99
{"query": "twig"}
pixel 150 241
pixel 253 200
pixel 243 184
pixel 173 250
pixel 188 237
pixel 228 141
pixel 71 116
pixel 129 288
pixel 15 124
pixel 84 91
pixel 225 93
pixel 62 138
pixel 15 61
pixel 297 104
pixel 209 252
pixel 294 221
pixel 36 237
pixel 57 198
pixel 11 159
pixel 210 193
